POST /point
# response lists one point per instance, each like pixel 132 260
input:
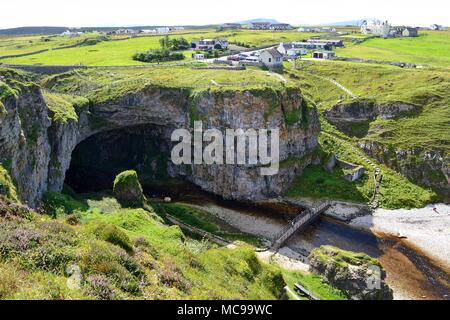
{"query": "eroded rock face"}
pixel 41 166
pixel 353 117
pixel 24 144
pixel 357 275
pixel 363 110
pixel 428 168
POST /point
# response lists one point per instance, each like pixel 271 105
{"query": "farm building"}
pixel 325 54
pixel 322 29
pixel 331 43
pixel 163 30
pixel 271 58
pixel 409 32
pixel 209 44
pixel 436 27
pixel 230 26
pixel 291 50
pixel 125 31
pixel 311 46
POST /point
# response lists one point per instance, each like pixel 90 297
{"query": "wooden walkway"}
pixel 301 221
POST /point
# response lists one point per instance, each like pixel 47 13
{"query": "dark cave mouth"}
pixel 97 160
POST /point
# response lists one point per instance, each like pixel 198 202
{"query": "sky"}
pixel 97 13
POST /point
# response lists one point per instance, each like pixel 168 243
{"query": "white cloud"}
pixel 15 13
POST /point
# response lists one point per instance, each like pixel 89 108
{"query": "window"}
pixel 270 60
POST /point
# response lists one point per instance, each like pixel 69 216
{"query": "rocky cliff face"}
pixel 24 144
pixel 428 168
pixel 38 150
pixel 362 110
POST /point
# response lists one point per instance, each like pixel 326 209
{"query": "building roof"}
pixel 324 51
pixel 274 53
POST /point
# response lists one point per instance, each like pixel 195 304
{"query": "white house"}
pixel 163 30
pixel 376 27
pixel 148 31
pixel 291 50
pixel 271 58
pixel 71 34
pixel 209 44
pixel 436 27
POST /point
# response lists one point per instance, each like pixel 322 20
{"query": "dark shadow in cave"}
pixel 98 159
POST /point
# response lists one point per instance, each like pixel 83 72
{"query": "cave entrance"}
pixel 98 159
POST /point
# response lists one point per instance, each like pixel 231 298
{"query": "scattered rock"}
pixel 359 276
pixel 167 199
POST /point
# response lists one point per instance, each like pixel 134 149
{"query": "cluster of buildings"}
pixel 385 30
pixel 269 26
pixel 157 30
pixel 69 33
pixel 294 49
pixel 274 57
pixel 320 29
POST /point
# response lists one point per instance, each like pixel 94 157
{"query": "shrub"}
pixel 114 235
pixel 158 56
pixel 112 262
pixel 100 287
pixel 55 203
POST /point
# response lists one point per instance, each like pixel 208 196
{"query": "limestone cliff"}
pixel 37 145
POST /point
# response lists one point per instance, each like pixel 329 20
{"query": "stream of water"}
pixel 409 272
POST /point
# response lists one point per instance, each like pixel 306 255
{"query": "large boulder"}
pixel 128 189
pixel 359 276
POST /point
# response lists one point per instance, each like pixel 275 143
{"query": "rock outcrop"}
pixel 428 168
pixel 359 276
pixel 24 144
pixel 39 149
pixel 128 189
pixel 349 117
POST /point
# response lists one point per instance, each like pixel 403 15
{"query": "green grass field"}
pixel 114 53
pixel 10 45
pixel 102 84
pixel 430 48
pixel 425 88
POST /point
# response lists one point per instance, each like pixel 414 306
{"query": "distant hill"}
pixel 32 30
pixel 259 20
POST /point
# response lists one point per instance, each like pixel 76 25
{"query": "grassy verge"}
pixel 313 283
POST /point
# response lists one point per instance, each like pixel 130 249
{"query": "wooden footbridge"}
pixel 300 222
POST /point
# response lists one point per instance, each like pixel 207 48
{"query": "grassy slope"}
pixel 110 53
pixel 162 263
pixel 104 84
pixel 430 48
pixel 10 45
pixel 385 84
pixel 427 89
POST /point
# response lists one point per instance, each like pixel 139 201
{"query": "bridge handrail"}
pixel 306 216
